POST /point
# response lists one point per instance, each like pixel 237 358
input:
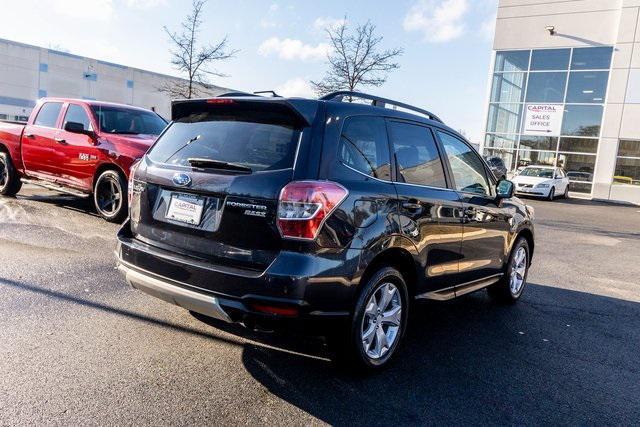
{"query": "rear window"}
pixel 260 144
pixel 128 121
pixel 48 114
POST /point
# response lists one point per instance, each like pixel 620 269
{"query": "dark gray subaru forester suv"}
pixel 329 216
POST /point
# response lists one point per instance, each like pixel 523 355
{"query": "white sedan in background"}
pixel 542 181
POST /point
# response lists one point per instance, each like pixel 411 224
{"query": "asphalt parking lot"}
pixel 79 347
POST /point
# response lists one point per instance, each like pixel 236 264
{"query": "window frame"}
pixel 392 165
pixel 396 170
pixel 488 175
pixel 86 110
pixel 56 125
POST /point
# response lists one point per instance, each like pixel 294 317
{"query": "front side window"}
pixel 48 114
pixel 416 155
pixel 468 171
pixel 363 146
pixel 76 114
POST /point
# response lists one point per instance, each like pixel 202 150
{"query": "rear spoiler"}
pixel 303 111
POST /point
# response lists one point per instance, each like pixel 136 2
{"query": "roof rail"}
pixel 377 101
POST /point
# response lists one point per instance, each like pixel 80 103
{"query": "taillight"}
pixel 305 205
pixel 132 172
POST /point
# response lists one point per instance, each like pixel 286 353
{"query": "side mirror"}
pixel 74 127
pixel 505 189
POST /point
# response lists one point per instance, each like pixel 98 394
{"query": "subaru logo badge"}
pixel 181 179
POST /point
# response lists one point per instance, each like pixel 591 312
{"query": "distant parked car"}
pixel 78 147
pixel 580 176
pixel 542 181
pixel 497 166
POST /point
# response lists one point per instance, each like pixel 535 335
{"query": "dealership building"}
pixel 565 91
pixel 28 73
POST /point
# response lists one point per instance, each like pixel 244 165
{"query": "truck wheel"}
pixel 377 325
pixel 110 196
pixel 510 287
pixel 10 183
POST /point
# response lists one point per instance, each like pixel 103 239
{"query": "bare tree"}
pixel 356 60
pixel 192 59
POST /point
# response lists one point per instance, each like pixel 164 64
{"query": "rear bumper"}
pixel 318 287
pixel 174 294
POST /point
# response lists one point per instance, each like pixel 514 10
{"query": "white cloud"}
pixel 323 23
pixel 296 87
pixel 293 49
pixel 99 10
pixel 488 27
pixel 439 20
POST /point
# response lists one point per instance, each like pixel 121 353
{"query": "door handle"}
pixel 29 135
pixel 61 141
pixel 412 207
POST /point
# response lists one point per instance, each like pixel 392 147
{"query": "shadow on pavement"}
pixel 556 357
pixel 569 360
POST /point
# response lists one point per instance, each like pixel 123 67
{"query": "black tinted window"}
pixel 417 155
pixel 76 114
pixel 468 170
pixel 232 138
pixel 363 146
pixel 128 121
pixel 48 114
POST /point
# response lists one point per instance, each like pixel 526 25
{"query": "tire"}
pixel 349 348
pixel 10 183
pixel 110 196
pixel 552 194
pixel 566 192
pixel 507 290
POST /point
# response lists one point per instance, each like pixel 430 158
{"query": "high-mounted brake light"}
pixel 220 101
pixel 304 206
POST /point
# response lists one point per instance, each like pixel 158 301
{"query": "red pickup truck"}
pixel 79 147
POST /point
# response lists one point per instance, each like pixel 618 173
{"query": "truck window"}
pixel 363 147
pixel 48 114
pixel 75 113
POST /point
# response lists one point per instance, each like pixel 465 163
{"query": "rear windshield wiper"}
pixel 218 164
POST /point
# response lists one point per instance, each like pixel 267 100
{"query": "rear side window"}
pixel 363 146
pixel 48 114
pixel 128 121
pixel 467 168
pixel 258 141
pixel 417 155
pixel 75 113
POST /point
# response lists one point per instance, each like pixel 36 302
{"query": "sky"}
pixel 282 43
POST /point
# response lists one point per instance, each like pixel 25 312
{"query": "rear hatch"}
pixel 209 187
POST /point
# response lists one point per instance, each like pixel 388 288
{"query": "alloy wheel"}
pixel 4 174
pixel 381 321
pixel 518 271
pixel 109 196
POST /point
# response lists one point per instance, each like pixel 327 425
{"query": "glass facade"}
pixel 572 82
pixel 628 163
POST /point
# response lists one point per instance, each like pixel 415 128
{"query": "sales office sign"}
pixel 543 119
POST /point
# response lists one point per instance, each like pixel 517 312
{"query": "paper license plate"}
pixel 185 208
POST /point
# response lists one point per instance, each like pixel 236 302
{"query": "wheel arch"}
pixel 105 167
pixel 398 258
pixel 528 236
